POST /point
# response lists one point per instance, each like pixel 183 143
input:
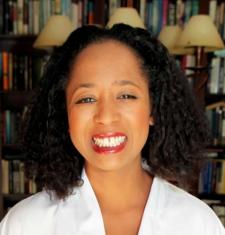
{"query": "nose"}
pixel 106 112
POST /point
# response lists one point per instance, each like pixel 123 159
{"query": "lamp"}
pixel 201 34
pixel 54 33
pixel 126 15
pixel 169 36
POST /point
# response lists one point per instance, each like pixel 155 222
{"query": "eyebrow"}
pixel 83 85
pixel 119 82
pixel 126 82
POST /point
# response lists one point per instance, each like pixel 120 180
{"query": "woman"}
pixel 113 119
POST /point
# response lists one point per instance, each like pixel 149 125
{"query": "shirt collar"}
pixel 152 211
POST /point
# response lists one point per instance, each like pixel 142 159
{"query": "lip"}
pixel 108 150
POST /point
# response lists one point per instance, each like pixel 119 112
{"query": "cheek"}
pixel 141 120
pixel 77 122
pixel 142 114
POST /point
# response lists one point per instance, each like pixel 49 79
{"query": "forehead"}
pixel 108 53
pixel 106 45
pixel 106 62
pixel 107 67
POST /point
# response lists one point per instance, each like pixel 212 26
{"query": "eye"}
pixel 86 100
pixel 127 96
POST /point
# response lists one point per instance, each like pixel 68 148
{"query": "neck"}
pixel 122 189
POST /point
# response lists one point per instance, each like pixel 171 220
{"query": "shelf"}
pixel 11 149
pixel 22 37
pixel 14 198
pixel 15 100
pixel 219 197
pixel 213 98
pixel 11 42
pixel 216 148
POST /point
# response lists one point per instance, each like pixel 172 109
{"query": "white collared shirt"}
pixel 169 211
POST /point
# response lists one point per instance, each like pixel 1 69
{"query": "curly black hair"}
pixel 175 143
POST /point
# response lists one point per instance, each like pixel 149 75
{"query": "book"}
pixel 5 176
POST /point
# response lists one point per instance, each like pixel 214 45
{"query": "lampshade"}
pixel 169 36
pixel 126 15
pixel 55 32
pixel 200 31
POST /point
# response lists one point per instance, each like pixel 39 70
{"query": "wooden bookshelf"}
pixel 10 200
pixel 13 198
pixel 15 100
pixel 213 98
pixel 17 43
pixel 217 197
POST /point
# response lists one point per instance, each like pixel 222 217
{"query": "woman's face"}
pixel 108 106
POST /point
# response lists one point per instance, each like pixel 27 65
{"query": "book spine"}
pixel 10 17
pixel 36 12
pixel 1 72
pixel 58 9
pixel 25 16
pixel 164 12
pixel 180 12
pixel 10 71
pixel 214 75
pixel 149 16
pixel 90 12
pixel 1 17
pixel 155 16
pixel 5 176
pixel 5 70
pixel 212 9
pixel 187 11
pixel 223 126
pixel 15 17
pixel 113 6
pixel 74 15
pixel 171 14
pixel 20 16
pixel 195 7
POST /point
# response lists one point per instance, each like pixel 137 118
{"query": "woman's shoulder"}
pixel 185 208
pixel 28 213
pixel 178 199
pixel 37 202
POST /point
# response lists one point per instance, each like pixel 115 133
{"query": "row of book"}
pixel 30 16
pixel 216 82
pixel 217 12
pixel 212 177
pixel 11 122
pixel 158 13
pixel 13 179
pixel 216 117
pixel 215 72
pixel 19 72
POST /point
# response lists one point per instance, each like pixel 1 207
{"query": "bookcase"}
pixel 20 70
pixel 22 20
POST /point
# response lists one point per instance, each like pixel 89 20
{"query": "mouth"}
pixel 109 143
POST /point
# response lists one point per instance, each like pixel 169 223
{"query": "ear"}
pixel 151 121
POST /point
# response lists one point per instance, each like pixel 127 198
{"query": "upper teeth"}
pixel 109 141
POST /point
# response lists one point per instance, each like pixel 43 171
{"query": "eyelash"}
pixel 86 100
pixel 127 97
pixel 92 100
